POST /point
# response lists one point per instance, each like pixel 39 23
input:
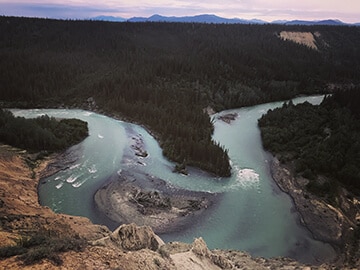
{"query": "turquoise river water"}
pixel 253 214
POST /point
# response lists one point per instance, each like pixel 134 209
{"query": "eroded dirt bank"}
pixel 328 223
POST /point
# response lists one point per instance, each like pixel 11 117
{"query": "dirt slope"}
pixel 304 38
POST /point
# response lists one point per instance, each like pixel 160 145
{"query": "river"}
pixel 253 214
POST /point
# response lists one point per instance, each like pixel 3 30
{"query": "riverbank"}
pixel 58 162
pixel 239 195
pixel 20 210
pixel 22 215
pixel 328 223
pixel 147 163
pixel 147 200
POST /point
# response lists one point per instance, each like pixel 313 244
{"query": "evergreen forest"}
pixel 42 133
pixel 318 140
pixel 163 75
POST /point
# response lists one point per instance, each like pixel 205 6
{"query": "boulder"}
pixel 200 248
pixel 131 237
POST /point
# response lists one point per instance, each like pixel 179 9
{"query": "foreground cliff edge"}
pixel 90 246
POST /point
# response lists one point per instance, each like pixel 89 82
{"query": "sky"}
pixel 267 10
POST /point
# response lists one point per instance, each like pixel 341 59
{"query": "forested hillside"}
pixel 164 74
pixel 322 139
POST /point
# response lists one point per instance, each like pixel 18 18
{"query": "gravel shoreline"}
pixel 329 224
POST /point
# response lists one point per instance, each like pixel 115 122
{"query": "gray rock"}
pixel 131 237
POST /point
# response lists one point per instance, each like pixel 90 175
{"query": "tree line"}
pixel 318 140
pixel 164 74
pixel 42 133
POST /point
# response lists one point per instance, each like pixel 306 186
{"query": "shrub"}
pixel 9 251
pixel 35 255
pixel 33 249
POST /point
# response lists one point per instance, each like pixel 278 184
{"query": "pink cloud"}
pixel 346 10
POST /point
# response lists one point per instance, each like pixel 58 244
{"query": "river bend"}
pixel 253 215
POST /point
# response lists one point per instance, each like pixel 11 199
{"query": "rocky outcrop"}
pixel 200 249
pixel 131 237
pixel 197 256
pixel 228 118
pixel 138 146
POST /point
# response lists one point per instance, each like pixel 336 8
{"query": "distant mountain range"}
pixel 209 18
pixel 323 22
pixel 204 18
